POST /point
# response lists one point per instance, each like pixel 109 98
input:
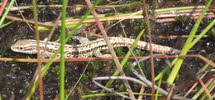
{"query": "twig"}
pixel 107 89
pixel 195 84
pixel 29 21
pixel 42 57
pixel 170 92
pixel 143 78
pixel 205 89
pixel 3 6
pixel 150 83
pixel 39 68
pixel 111 49
pixel 24 18
pixel 104 59
pixel 150 48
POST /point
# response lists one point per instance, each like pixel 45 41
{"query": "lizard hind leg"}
pixel 97 53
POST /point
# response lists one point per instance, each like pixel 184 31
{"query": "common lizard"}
pixel 87 48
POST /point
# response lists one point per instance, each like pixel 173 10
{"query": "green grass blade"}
pixel 47 66
pixel 191 45
pixel 186 47
pixel 6 24
pixel 6 11
pixel 159 85
pixel 202 34
pixel 62 60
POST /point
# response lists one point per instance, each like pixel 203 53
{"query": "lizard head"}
pixel 25 46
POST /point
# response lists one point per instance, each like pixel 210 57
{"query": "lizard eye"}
pixel 21 48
